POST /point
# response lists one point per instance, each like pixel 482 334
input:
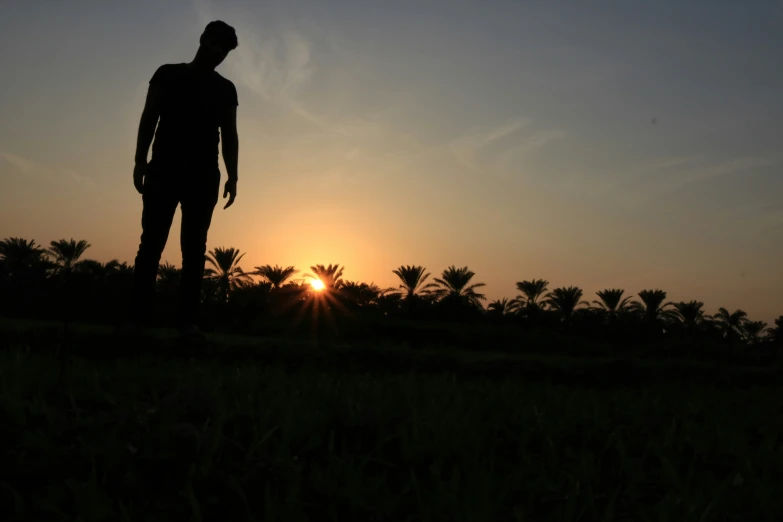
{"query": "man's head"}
pixel 217 40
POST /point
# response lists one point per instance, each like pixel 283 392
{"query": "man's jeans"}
pixel 165 187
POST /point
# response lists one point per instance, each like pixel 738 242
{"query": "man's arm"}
pixel 149 120
pixel 230 140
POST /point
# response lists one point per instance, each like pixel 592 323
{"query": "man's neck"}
pixel 199 65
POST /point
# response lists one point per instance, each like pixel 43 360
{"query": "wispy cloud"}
pixel 77 177
pixel 23 165
pixel 675 179
pixel 669 174
pixel 274 68
pixel 271 64
pixel 659 164
pixel 278 63
pixel 502 147
pixel 629 177
pixel 34 169
pixel 274 64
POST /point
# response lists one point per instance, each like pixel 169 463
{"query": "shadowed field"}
pixel 242 429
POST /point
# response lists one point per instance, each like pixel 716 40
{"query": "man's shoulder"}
pixel 225 81
pixel 166 70
pixel 229 90
pixel 172 66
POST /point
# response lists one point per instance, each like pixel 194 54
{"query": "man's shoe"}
pixel 191 332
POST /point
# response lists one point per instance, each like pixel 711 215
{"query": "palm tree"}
pixel 389 303
pixel 454 286
pixel 565 300
pixel 652 306
pixel 730 324
pixel 227 275
pixel 292 292
pixel 20 257
pixel 412 279
pixel 752 331
pixel 318 304
pixel 532 292
pixel 360 294
pixel 113 266
pixel 104 276
pixel 330 276
pixel 500 308
pixel 612 301
pixel 115 269
pixel 97 269
pixel 169 276
pixel 66 254
pixel 413 287
pixel 691 314
pixel 275 275
pixel 111 270
pixel 777 333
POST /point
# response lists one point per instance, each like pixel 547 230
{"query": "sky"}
pixel 625 144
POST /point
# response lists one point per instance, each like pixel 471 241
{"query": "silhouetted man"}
pixel 195 106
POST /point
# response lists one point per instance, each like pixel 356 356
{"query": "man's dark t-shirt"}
pixel 192 103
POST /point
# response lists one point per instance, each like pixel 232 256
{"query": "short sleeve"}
pixel 159 76
pixel 231 95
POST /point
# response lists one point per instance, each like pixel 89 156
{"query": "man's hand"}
pixel 230 190
pixel 139 172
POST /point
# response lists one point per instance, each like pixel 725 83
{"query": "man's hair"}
pixel 221 34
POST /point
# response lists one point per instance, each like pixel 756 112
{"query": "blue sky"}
pixel 601 144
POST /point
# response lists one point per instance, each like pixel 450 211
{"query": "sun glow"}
pixel 317 284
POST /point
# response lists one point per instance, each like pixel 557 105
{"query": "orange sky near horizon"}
pixel 517 140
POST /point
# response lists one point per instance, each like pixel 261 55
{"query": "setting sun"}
pixel 317 284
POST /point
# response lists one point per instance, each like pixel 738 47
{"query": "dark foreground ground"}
pixel 95 428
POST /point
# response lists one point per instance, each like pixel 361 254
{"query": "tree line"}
pixel 59 280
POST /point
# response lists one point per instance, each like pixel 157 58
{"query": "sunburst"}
pixel 320 305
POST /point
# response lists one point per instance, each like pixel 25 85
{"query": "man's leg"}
pixel 160 204
pixel 198 203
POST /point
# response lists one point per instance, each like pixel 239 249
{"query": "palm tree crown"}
pixel 500 307
pixel 66 254
pixel 612 300
pixel 691 313
pixel 331 276
pixel 169 275
pixel 776 333
pixel 565 300
pixel 361 294
pixel 652 305
pixel 226 272
pixel 531 293
pixel 454 284
pixel 730 323
pixel 753 331
pixel 412 281
pixel 20 255
pixel 276 275
pixel 98 269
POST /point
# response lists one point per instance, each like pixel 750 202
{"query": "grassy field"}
pixel 269 430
